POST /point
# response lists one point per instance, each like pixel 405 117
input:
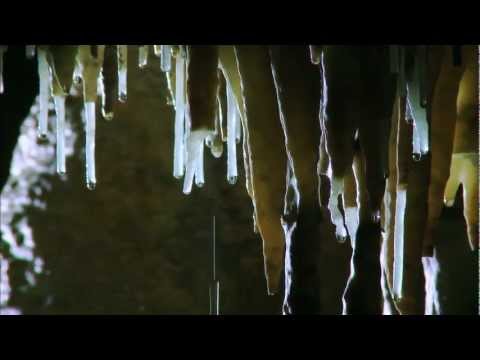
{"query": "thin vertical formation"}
pixel 399 242
pixel 44 76
pixel 199 170
pixel 166 58
pixel 90 144
pixel 60 133
pixel 232 121
pixel 178 155
pixel 142 56
pixel 122 54
pixel 3 49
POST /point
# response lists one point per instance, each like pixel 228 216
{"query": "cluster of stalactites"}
pixel 61 66
pixel 188 158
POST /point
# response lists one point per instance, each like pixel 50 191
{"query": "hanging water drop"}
pixel 3 49
pixel 142 56
pixel 90 144
pixel 30 51
pixel 166 58
pixel 122 56
pixel 231 137
pixel 60 133
pixel 178 152
pixel 44 75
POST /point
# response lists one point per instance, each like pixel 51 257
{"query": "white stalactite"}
pixel 122 56
pixel 194 144
pixel 44 76
pixel 60 133
pixel 232 120
pixel 166 58
pixel 335 214
pixel 3 49
pixel 157 50
pixel 90 144
pixel 142 56
pixel 352 221
pixel 398 243
pixel 199 170
pixel 178 152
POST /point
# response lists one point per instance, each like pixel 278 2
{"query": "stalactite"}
pixel 60 133
pixel 122 56
pixel 90 144
pixel 142 56
pixel 166 58
pixel 178 152
pixel 231 137
pixel 44 75
pixel 3 49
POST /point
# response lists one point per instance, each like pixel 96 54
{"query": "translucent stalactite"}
pixel 30 51
pixel 142 56
pixel 157 49
pixel 398 242
pixel 3 49
pixel 232 120
pixel 166 58
pixel 90 61
pixel 178 156
pixel 60 133
pixel 199 171
pixel 194 145
pixel 122 56
pixel 336 215
pixel 90 144
pixel 44 76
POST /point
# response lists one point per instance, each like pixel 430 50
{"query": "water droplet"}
pixel 417 156
pixel 91 185
pixel 200 184
pixel 232 180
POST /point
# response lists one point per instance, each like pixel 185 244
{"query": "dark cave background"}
pixel 137 244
